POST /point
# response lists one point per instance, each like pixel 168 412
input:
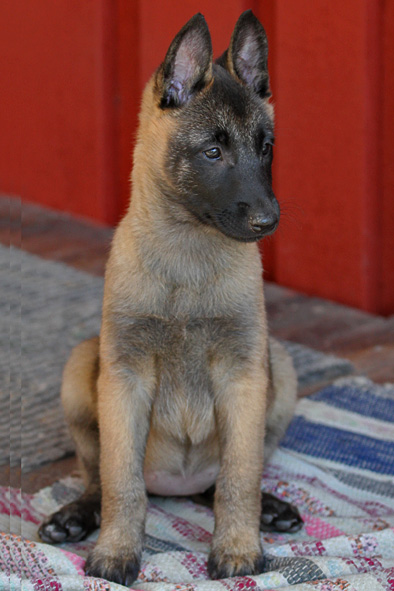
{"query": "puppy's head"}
pixel 217 163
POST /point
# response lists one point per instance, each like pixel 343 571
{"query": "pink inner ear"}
pixel 187 59
pixel 248 59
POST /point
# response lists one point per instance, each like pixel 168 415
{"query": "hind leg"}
pixel 277 515
pixel 283 396
pixel 75 521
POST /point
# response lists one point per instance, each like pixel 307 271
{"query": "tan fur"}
pixel 176 293
pixel 79 398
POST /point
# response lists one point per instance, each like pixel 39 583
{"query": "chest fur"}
pixel 183 352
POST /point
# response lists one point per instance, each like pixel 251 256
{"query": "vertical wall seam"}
pixel 373 85
pixel 108 182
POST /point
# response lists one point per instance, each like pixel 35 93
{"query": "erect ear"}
pixel 187 67
pixel 247 55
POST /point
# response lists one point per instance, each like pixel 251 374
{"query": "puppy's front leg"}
pixel 240 410
pixel 124 411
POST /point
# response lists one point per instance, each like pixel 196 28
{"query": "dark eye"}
pixel 267 147
pixel 213 153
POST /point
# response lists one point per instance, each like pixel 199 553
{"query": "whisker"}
pixel 292 212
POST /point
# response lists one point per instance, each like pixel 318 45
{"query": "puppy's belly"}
pixel 160 482
pixel 182 452
pixel 177 467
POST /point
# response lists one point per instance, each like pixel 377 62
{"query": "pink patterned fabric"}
pixel 347 542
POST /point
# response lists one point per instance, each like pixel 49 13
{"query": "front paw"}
pixel 119 566
pixel 222 565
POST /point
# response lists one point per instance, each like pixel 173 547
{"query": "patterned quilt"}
pixel 336 463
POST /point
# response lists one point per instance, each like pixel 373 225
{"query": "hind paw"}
pixel 279 516
pixel 71 523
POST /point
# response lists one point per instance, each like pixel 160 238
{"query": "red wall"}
pixel 385 302
pixel 50 122
pixel 329 90
pixel 74 73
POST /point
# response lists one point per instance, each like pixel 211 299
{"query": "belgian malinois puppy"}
pixel 184 389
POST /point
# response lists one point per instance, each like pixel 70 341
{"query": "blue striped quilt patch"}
pixel 353 449
pixel 357 447
pixel 358 399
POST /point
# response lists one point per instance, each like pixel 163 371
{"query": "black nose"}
pixel 262 224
